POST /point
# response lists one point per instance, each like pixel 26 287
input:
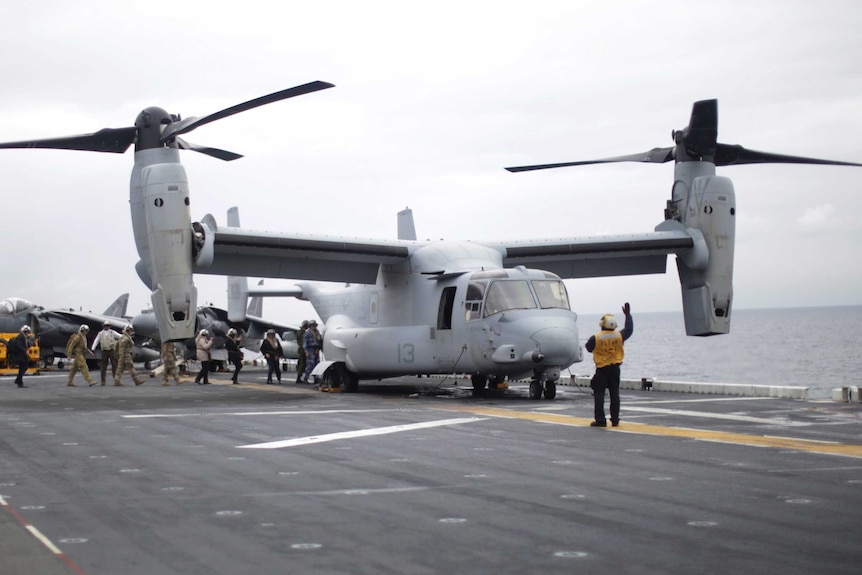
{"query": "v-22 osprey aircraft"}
pixel 491 309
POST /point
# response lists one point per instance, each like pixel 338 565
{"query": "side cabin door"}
pixel 443 331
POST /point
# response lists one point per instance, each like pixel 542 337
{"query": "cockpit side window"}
pixel 505 295
pixel 551 294
pixel 473 301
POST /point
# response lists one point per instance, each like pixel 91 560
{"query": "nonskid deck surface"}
pixel 419 476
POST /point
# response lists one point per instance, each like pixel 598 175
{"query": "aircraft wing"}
pixel 239 252
pixel 600 256
pixel 93 320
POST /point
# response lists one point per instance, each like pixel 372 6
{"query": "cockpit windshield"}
pixel 508 294
pixel 15 306
pixel 551 294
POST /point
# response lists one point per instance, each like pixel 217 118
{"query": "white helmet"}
pixel 608 321
pixel 128 329
pixel 25 329
pixel 231 332
pixel 204 332
pixel 84 328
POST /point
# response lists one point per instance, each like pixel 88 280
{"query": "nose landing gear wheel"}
pixel 535 389
pixel 550 390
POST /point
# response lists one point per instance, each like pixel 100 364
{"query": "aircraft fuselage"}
pixel 485 321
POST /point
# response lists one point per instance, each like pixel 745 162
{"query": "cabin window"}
pixel 551 294
pixel 506 295
pixel 444 311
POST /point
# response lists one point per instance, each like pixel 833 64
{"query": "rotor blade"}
pixel 116 140
pixel 189 124
pixel 654 156
pixel 733 155
pixel 702 133
pixel 214 152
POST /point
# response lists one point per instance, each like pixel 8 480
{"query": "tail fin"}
pixel 255 304
pixel 118 308
pixel 406 229
pixel 237 287
pixel 237 295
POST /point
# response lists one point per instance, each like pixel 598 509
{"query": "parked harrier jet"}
pixel 54 327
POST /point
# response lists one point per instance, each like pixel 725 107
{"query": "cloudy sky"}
pixel 432 100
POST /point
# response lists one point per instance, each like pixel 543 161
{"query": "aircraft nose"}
pixel 145 324
pixel 558 345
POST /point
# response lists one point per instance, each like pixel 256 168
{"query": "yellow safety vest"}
pixel 609 348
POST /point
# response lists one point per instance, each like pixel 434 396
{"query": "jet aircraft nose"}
pixel 146 324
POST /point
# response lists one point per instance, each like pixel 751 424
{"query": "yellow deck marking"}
pixel 845 449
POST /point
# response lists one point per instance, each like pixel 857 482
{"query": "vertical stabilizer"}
pixel 237 287
pixel 118 308
pixel 406 229
pixel 255 304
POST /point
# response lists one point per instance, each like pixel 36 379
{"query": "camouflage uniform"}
pixel 311 344
pixel 300 344
pixel 169 363
pixel 124 353
pixel 75 350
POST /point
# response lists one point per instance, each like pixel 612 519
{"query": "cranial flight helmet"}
pixel 608 321
pixel 84 328
pixel 128 329
pixel 231 332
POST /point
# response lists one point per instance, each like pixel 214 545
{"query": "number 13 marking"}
pixel 405 353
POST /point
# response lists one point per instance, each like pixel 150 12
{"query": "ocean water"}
pixel 819 348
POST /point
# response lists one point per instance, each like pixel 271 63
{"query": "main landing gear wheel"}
pixel 349 381
pixel 535 389
pixel 550 390
pixel 479 381
pixel 338 377
pixel 332 379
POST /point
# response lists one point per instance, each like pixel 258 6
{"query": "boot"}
pixel 118 384
pixel 139 382
pixel 70 384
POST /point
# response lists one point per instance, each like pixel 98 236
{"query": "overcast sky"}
pixel 432 101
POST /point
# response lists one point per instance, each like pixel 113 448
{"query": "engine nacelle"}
pixel 708 208
pixel 169 234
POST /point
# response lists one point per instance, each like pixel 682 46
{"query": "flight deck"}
pixel 421 476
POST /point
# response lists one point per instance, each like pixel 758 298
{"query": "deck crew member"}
pixel 75 350
pixel 106 341
pixel 607 349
